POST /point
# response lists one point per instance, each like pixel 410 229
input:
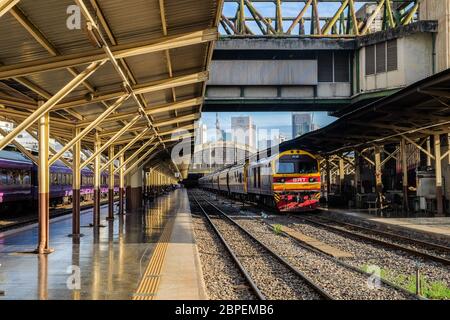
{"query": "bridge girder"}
pixel 310 21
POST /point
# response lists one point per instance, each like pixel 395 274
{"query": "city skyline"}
pixel 277 123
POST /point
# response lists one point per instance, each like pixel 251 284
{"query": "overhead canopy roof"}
pixel 419 110
pixel 163 46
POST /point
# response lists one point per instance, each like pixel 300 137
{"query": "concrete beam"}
pixel 284 43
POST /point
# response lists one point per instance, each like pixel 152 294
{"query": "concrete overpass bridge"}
pixel 309 61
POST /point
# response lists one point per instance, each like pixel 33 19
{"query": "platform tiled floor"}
pixel 111 260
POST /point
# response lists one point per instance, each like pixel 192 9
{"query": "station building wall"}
pixel 414 61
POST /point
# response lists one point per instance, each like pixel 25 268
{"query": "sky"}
pixel 271 120
pixel 289 9
pixel 264 120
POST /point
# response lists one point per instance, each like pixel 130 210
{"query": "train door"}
pixel 228 182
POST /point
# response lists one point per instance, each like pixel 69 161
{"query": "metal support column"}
pixel 378 179
pixel 76 184
pixel 97 193
pixel 121 185
pixel 438 169
pixel 328 173
pixel 357 172
pixel 44 186
pixel 428 152
pixel 404 175
pixel 111 184
pixel 341 175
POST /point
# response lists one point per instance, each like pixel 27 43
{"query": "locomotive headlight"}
pixel 282 180
pixel 312 179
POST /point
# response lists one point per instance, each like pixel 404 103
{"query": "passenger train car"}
pixel 19 182
pixel 286 181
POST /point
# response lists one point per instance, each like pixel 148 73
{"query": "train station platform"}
pixel 110 262
pixel 434 228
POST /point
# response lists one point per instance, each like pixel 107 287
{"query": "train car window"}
pixel 15 178
pixel 3 177
pixel 26 179
pixel 20 175
pixel 70 179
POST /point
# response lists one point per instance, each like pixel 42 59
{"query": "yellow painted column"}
pixel 111 184
pixel 404 175
pixel 76 186
pixel 97 193
pixel 378 178
pixel 44 186
pixel 438 169
pixel 121 185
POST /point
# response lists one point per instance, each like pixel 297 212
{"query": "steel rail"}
pixel 283 261
pixel 378 241
pixel 342 263
pixel 247 276
pixel 435 246
pixel 348 266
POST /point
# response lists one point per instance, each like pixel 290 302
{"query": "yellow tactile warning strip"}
pixel 332 251
pixel 149 283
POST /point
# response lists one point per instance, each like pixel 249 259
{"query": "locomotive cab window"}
pixel 296 163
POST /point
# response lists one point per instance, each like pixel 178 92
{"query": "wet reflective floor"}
pixel 106 263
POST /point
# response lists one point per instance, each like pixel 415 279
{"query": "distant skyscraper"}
pixel 301 124
pixel 243 131
pixel 220 134
pixel 201 136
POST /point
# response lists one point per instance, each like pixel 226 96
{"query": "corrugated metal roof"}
pixel 37 31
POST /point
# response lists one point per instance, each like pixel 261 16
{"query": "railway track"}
pixel 419 248
pixel 415 247
pixel 344 280
pixel 269 274
pixel 256 293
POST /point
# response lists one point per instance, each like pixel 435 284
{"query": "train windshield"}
pixel 296 163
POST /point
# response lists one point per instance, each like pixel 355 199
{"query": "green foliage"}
pixel 277 228
pixel 430 289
